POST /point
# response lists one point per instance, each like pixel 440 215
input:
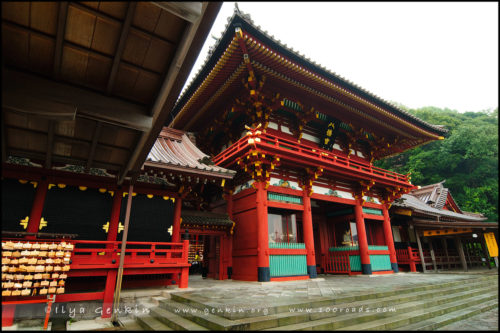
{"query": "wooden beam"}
pixel 19 102
pixel 433 256
pixel 460 250
pixel 95 139
pixel 61 27
pixel 41 97
pixel 158 111
pixel 4 139
pixel 50 145
pixel 69 140
pixel 421 252
pixel 36 156
pixel 121 45
pixel 189 11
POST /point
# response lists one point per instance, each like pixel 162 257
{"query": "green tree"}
pixel 467 159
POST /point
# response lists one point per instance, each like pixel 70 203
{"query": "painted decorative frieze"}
pixel 285 183
pixel 243 186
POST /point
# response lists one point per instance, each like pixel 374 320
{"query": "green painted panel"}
pixel 372 211
pixel 355 262
pixel 287 265
pixel 380 262
pixel 378 247
pixel 284 198
pixel 287 245
pixel 356 248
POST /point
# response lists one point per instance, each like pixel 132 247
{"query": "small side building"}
pixel 431 232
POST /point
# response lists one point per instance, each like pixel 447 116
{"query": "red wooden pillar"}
pixel 176 227
pixel 389 240
pixel 366 267
pixel 263 271
pixel 114 221
pixel 37 207
pixel 229 240
pixel 308 235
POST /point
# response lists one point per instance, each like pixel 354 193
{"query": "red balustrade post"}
pixel 176 227
pixel 184 279
pixel 109 288
pixel 37 207
pixel 8 311
pixel 388 239
pixel 263 271
pixel 413 266
pixel 114 219
pixel 366 267
pixel 308 234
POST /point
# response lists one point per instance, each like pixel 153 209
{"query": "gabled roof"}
pixel 415 204
pixel 437 196
pixel 223 70
pixel 433 200
pixel 174 151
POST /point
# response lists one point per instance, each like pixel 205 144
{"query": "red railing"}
pixel 338 263
pixel 106 254
pixel 303 154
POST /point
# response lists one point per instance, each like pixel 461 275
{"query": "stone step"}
pixel 174 321
pixel 452 317
pixel 340 320
pixel 196 315
pixel 420 315
pixel 285 305
pixel 129 324
pixel 148 323
pixel 213 320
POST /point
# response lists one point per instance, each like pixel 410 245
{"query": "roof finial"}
pixel 240 13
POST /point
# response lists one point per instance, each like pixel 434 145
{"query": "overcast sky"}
pixel 417 54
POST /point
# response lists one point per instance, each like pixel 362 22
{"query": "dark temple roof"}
pixel 247 24
pixel 200 218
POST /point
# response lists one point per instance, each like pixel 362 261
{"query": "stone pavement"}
pixel 260 295
pixel 486 321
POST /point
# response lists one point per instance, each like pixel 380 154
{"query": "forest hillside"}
pixel 467 158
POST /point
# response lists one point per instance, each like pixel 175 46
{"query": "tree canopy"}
pixel 467 158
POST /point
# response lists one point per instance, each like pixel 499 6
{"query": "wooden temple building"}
pixel 431 232
pixel 306 197
pixel 287 191
pixel 86 90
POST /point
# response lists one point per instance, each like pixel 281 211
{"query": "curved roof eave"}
pixel 226 37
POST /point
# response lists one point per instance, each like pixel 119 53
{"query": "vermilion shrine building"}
pixel 306 197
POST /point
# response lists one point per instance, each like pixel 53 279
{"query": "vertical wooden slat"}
pixel 61 26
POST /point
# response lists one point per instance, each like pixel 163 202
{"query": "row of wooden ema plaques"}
pixel 32 268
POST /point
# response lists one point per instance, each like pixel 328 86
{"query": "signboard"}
pixel 491 243
pixel 442 232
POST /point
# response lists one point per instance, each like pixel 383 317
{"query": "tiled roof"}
pixel 190 217
pixel 435 195
pixel 174 150
pixel 414 203
pixel 239 18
